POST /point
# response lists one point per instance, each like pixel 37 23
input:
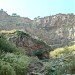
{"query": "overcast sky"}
pixel 34 8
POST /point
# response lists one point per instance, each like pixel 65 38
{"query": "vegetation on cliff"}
pixel 11 61
pixel 14 61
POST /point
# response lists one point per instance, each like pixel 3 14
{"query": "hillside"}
pixel 8 22
pixel 19 49
pixel 15 60
pixel 33 46
pixel 57 30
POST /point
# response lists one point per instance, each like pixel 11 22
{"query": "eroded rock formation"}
pixel 56 30
pixel 31 45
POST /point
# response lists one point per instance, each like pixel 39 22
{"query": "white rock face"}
pixel 56 30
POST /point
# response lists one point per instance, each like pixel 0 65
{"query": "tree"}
pixel 14 14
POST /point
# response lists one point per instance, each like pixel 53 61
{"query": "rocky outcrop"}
pixel 30 44
pixel 56 30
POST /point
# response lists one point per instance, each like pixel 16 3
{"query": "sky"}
pixel 35 8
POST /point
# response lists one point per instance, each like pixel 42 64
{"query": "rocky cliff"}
pixel 30 44
pixel 57 30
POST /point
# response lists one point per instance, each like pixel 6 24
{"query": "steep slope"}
pixel 56 30
pixel 8 22
pixel 31 45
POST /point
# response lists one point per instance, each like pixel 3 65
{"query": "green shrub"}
pixel 22 34
pixel 6 46
pixel 18 62
pixel 65 58
pixel 6 68
pixel 20 51
pixel 13 61
pixel 38 53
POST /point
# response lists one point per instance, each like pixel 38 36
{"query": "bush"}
pixel 18 62
pixel 6 68
pixel 56 53
pixel 38 53
pixel 57 67
pixel 6 46
pixel 22 34
pixel 65 60
pixel 13 61
pixel 59 52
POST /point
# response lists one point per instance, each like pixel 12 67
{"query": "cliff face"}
pixel 57 30
pixel 56 20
